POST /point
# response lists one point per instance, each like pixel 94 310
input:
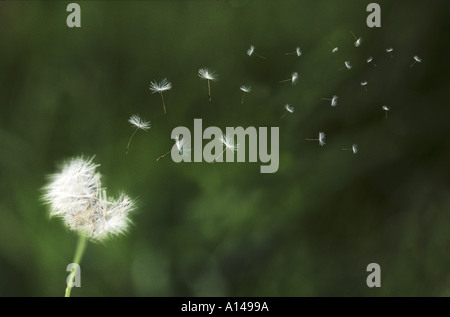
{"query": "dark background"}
pixel 224 229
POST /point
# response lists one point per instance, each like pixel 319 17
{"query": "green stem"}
pixel 79 251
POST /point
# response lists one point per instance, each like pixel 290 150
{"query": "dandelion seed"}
pixel 293 79
pixel 334 100
pixel 386 109
pixel 354 148
pixel 358 39
pixel 289 109
pixel 181 145
pixel 321 139
pixel 370 60
pixel 346 65
pixel 364 84
pixel 204 73
pixel 245 89
pixel 389 50
pixel 251 51
pixel 417 59
pixel 334 48
pixel 160 87
pixel 140 124
pixel 297 52
pixel 228 141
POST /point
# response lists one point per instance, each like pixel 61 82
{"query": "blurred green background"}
pixel 204 229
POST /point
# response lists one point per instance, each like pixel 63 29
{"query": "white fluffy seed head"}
pixel 294 77
pixel 321 138
pixel 417 59
pixel 389 50
pixel 298 51
pixel 228 141
pixel 245 88
pixel 75 195
pixel 348 65
pixel 334 50
pixel 204 73
pixel 355 148
pixel 250 50
pixel 182 145
pixel 163 85
pixel 369 59
pixel 137 122
pixel 358 42
pixel 289 108
pixel 386 108
pixel 363 83
pixel 334 101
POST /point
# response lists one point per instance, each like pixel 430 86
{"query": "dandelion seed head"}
pixel 355 148
pixel 369 59
pixel 358 42
pixel 228 141
pixel 298 51
pixel 321 138
pixel 417 59
pixel 75 195
pixel 363 83
pixel 386 108
pixel 245 88
pixel 204 73
pixel 289 108
pixel 137 122
pixel 334 101
pixel 250 50
pixel 348 65
pixel 389 50
pixel 163 85
pixel 335 50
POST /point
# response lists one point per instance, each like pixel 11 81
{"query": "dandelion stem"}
pixel 164 104
pixel 283 115
pixel 259 56
pixel 312 139
pixel 129 141
pixel 325 99
pixel 209 91
pixel 243 95
pixel 79 251
pixel 354 35
pixel 162 156
pixel 285 80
